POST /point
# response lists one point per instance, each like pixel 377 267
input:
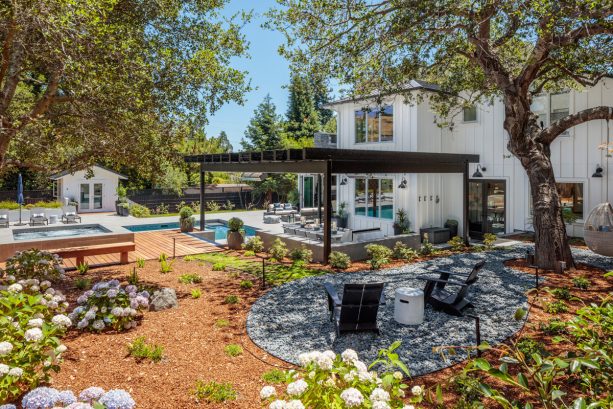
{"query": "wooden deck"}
pixel 149 245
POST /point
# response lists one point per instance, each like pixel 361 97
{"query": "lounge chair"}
pixel 357 309
pixel 4 218
pixel 37 216
pixel 69 214
pixel 453 302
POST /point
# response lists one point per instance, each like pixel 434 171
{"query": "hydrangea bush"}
pixel 90 398
pixel 109 305
pixel 31 324
pixel 330 381
pixel 34 264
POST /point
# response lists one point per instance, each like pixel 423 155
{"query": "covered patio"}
pixel 328 162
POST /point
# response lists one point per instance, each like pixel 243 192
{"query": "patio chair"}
pixel 357 309
pixel 37 216
pixel 4 218
pixel 69 214
pixel 453 302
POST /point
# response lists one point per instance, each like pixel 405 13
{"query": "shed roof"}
pixel 63 173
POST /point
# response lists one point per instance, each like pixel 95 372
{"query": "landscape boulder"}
pixel 164 299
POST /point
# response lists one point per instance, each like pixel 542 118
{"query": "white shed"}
pixel 94 189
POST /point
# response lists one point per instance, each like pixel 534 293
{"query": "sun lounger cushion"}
pixel 4 216
pixel 71 213
pixel 38 215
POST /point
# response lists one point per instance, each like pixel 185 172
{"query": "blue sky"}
pixel 268 71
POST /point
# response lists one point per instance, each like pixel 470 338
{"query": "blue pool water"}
pixel 36 233
pixel 221 230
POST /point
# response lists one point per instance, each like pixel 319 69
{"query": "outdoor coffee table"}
pixel 409 306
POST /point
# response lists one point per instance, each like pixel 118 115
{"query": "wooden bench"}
pixel 97 249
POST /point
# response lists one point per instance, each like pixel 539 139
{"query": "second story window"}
pixel 375 125
pixel 550 108
pixel 469 114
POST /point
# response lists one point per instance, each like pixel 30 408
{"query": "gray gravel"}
pixel 293 318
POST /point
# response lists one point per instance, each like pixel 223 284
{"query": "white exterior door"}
pixel 90 196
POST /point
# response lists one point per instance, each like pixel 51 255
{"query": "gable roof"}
pixel 63 173
pixel 412 85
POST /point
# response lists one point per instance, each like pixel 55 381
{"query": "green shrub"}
pixel 339 260
pixel 274 376
pixel 249 253
pixel 581 282
pixel 140 262
pixel 214 392
pixel 379 255
pixel 219 266
pixel 166 266
pixel 137 210
pixel 190 278
pixel 34 264
pixel 254 244
pixel 488 240
pixel 467 386
pixel 222 323
pixel 529 346
pixel 427 248
pixel 232 299
pixel 457 243
pixel 246 284
pixel 162 257
pixel 83 268
pixel 556 307
pixel 133 277
pixel 301 253
pixel 403 252
pixel 233 350
pixel 83 283
pixel 554 327
pixel 213 206
pixel 520 314
pixel 9 205
pixel 196 293
pixel 278 250
pixel 186 218
pixel 140 350
pixel 235 224
pixel 562 293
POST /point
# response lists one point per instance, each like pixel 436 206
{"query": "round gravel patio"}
pixel 293 318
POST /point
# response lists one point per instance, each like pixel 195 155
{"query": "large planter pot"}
pixel 343 221
pixel 235 240
pixel 186 225
pixel 124 211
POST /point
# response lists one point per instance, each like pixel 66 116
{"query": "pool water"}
pixel 221 230
pixel 62 231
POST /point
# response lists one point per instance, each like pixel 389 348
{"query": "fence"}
pixel 29 196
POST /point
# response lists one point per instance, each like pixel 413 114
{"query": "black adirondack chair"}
pixel 357 309
pixel 452 300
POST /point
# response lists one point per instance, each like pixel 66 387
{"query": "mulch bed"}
pixel 194 345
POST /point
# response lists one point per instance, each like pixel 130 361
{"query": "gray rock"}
pixel 164 299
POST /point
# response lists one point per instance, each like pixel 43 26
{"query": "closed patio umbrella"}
pixel 20 197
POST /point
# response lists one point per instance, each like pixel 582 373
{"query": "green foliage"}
pixel 581 282
pixel 254 244
pixel 264 129
pixel 379 255
pixel 235 224
pixel 196 293
pixel 402 222
pixel 249 253
pixel 569 216
pixel 403 252
pixel 529 347
pixel 427 249
pixel 140 350
pixel 140 262
pixel 213 206
pixel 556 307
pixel 137 210
pixel 133 277
pixel 488 240
pixel 246 284
pixel 162 257
pixel 301 254
pixel 190 278
pixel 214 392
pixel 83 283
pixel 186 218
pixel 219 266
pixel 274 376
pixel 467 386
pixel 122 192
pixel 339 260
pixel 520 314
pixel 457 243
pixel 278 249
pixel 166 266
pixel 222 323
pixel 12 205
pixel 34 264
pixel 561 293
pixel 83 268
pixel 302 117
pixel 554 326
pixel 233 350
pixel 232 299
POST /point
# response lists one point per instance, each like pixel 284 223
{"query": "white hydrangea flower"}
pixel 61 349
pixel 297 388
pixel 416 390
pixel 35 288
pixel 398 375
pixel 267 392
pixel 325 362
pixel 278 404
pixel 380 405
pixel 36 323
pixel 295 404
pixel 50 291
pixel 45 284
pixel 401 393
pixel 5 348
pixel 61 321
pixel 98 325
pixel 33 335
pixel 364 376
pixel 349 356
pixel 379 394
pixel 16 372
pixel 4 369
pixel 15 288
pixel 352 397
pixel 329 354
pixel 350 376
pixel 360 366
pixel 408 407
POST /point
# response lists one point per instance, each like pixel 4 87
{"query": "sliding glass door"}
pixel 486 207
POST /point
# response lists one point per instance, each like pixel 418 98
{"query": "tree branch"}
pixel 549 134
pixel 45 101
pixel 6 49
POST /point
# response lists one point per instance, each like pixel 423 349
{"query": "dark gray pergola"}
pixel 327 162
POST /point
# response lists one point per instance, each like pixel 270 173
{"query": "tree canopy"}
pixel 302 115
pixel 265 129
pixel 109 80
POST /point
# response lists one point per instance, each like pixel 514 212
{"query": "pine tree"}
pixel 321 96
pixel 302 117
pixel 224 142
pixel 264 129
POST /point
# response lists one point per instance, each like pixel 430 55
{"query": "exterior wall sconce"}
pixel 478 173
pixel 403 184
pixel 598 172
pixel 343 181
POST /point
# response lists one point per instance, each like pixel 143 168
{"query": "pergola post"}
pixel 465 203
pixel 202 187
pixel 327 211
pixel 319 193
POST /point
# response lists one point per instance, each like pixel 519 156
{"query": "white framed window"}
pixel 374 198
pixel 469 114
pixel 571 199
pixel 550 108
pixel 374 125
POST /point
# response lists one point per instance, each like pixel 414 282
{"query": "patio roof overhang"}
pixel 327 162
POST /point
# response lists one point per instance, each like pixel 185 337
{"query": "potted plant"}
pixel 342 216
pixel 452 225
pixel 186 219
pixel 235 233
pixel 122 197
pixel 123 209
pixel 401 224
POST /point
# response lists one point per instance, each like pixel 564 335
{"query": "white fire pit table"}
pixel 409 306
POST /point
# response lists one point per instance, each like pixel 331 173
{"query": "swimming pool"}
pixel 60 231
pixel 221 230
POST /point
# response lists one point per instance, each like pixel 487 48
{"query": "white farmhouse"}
pixel 94 189
pixel 499 195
